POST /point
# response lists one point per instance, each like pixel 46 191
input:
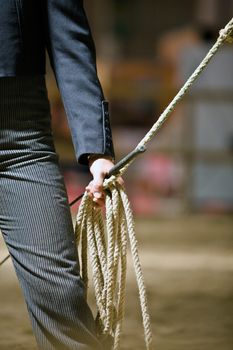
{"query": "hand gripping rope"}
pixel 107 243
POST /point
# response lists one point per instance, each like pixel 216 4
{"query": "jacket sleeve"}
pixel 72 56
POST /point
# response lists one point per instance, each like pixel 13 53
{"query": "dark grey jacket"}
pixel 30 27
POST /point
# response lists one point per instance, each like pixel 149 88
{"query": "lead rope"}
pixel 225 35
pixel 108 255
pixel 108 242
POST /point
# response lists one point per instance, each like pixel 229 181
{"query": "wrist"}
pixel 95 156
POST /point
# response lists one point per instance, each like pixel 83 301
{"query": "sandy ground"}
pixel 188 269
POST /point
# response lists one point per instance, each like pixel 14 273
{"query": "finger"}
pixel 89 186
pixel 97 194
pixel 89 190
pixel 97 185
pixel 95 190
pixel 98 202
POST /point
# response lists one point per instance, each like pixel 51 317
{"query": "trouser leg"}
pixel 36 223
pixel 35 219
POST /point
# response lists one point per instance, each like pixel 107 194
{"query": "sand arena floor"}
pixel 188 268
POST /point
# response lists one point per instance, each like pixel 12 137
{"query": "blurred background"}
pixel 145 52
pixel 181 189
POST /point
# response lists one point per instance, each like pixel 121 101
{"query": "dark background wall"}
pixel 137 24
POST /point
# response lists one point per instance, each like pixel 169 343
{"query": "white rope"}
pixel 225 35
pixel 109 264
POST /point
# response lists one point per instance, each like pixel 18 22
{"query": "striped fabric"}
pixel 35 219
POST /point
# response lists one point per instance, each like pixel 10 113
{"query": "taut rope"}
pixel 108 247
pixel 225 35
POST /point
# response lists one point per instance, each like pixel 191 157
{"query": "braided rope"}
pixel 109 265
pixel 225 34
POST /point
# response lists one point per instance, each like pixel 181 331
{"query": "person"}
pixel 35 219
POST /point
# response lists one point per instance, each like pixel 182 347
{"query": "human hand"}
pixel 99 167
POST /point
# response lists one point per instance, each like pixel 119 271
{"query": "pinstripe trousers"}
pixel 35 219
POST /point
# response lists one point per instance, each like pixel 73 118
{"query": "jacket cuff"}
pixel 107 148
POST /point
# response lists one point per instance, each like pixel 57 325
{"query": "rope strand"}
pixel 109 266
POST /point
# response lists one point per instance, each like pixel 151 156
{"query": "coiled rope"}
pixel 108 255
pixel 108 242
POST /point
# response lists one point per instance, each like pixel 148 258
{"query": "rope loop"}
pixel 106 237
